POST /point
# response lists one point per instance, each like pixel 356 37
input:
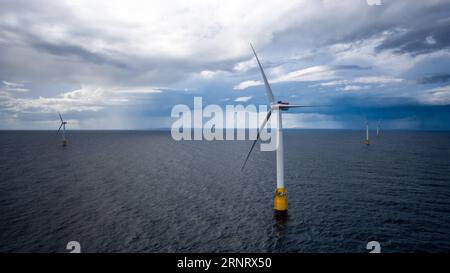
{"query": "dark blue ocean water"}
pixel 141 191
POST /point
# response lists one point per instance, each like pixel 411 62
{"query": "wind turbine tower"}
pixel 378 128
pixel 280 199
pixel 63 125
pixel 366 141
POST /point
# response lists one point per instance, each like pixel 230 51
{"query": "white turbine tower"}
pixel 280 201
pixel 378 128
pixel 366 141
pixel 63 125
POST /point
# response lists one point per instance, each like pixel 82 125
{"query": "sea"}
pixel 142 191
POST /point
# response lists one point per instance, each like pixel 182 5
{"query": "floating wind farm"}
pixel 239 127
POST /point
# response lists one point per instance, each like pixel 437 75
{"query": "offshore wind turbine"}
pixel 366 141
pixel 63 125
pixel 378 128
pixel 280 199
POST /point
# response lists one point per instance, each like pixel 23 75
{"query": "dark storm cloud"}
pixel 360 21
pixel 350 67
pixel 405 24
pixel 435 36
pixel 74 50
pixel 419 20
pixel 439 78
pixel 24 37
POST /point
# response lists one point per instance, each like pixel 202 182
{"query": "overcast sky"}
pixel 124 64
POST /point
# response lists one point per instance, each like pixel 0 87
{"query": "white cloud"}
pixel 152 38
pixel 13 87
pixel 247 84
pixel 245 65
pixel 377 80
pixel 12 84
pixel 436 96
pixel 243 99
pixel 352 83
pixel 136 90
pixel 314 73
pixel 363 52
pixel 430 40
pixel 354 88
pixel 87 98
pixel 330 83
pixel 178 29
pixel 208 74
pixel 17 89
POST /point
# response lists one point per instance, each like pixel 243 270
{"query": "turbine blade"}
pixel 60 117
pixel 257 138
pixel 266 83
pixel 59 128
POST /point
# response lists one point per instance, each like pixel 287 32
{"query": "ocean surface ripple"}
pixel 141 191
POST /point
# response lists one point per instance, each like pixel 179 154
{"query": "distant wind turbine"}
pixel 378 128
pixel 366 141
pixel 63 125
pixel 280 200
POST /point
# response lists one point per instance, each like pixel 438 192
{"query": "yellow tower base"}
pixel 64 143
pixel 366 142
pixel 280 202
